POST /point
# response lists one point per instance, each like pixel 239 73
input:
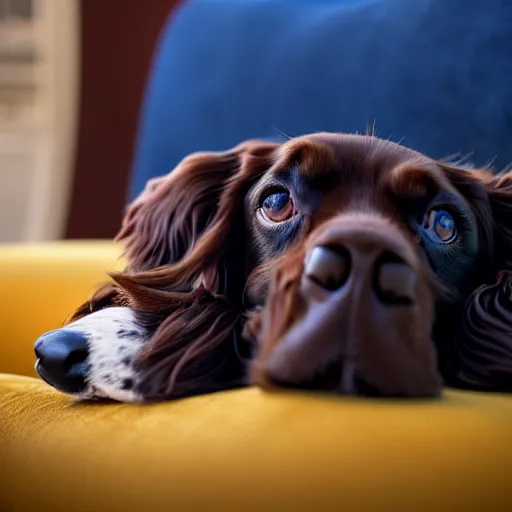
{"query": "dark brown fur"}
pixel 191 269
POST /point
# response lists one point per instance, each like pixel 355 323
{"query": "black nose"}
pixel 62 360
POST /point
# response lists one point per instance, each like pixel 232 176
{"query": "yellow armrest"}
pixel 246 450
pixel 40 285
pixel 235 451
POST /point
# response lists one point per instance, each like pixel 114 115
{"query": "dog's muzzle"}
pixel 367 321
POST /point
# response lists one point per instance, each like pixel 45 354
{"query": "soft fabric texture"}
pixel 241 450
pixel 436 74
pixel 248 450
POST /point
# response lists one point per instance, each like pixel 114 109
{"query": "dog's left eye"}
pixel 278 206
pixel 440 226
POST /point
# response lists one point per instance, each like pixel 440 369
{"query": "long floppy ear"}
pixel 178 230
pixel 167 219
pixel 481 354
pixel 185 246
pixel 173 211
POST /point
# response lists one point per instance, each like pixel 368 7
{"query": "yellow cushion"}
pixel 40 285
pixel 242 450
pixel 250 450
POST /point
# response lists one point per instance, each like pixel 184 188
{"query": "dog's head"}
pixel 332 262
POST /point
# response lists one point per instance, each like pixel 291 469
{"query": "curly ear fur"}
pixel 173 211
pixel 185 247
pixel 485 352
pixel 480 354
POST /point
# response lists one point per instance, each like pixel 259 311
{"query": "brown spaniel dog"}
pixel 331 262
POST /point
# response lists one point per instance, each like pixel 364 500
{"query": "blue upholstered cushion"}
pixel 436 74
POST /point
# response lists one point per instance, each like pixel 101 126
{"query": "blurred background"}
pixel 96 96
pixel 72 74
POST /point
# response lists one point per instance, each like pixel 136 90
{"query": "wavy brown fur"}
pixel 483 353
pixel 181 235
pixel 185 240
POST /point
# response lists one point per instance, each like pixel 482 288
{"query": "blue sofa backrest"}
pixel 434 74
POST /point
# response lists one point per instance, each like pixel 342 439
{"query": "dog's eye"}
pixel 278 206
pixel 440 226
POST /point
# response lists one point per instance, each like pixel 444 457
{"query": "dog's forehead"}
pixel 357 170
pixel 354 156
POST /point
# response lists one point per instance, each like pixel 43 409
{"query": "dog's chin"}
pixel 331 381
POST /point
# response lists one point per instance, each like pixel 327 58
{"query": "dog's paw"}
pixel 93 357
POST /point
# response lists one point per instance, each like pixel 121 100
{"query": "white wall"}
pixel 38 117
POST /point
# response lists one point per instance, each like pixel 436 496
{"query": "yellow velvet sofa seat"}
pixel 240 450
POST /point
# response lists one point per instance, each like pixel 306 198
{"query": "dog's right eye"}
pixel 440 226
pixel 278 206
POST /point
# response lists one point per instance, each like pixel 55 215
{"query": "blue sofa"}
pixel 434 74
